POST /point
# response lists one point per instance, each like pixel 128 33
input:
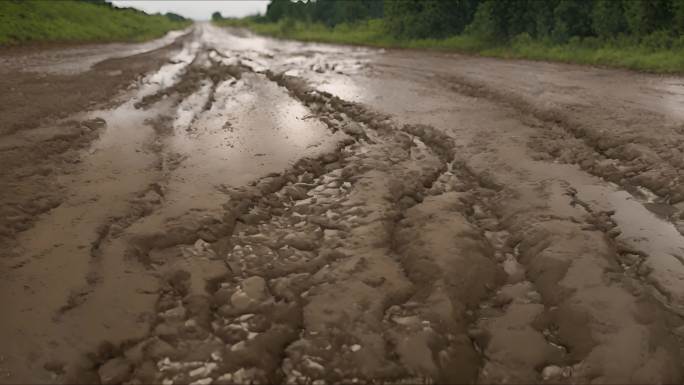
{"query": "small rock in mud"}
pixel 480 336
pixel 255 288
pixel 202 246
pixel 94 124
pixel 679 331
pixel 289 287
pixel 555 373
pixel 115 371
pixel 629 259
pixel 158 348
pixel 515 271
pixel 644 270
pixel 551 372
pixel 222 296
pixel 165 330
pixel 300 241
pixel 240 300
pixel 176 313
pixel 306 177
pixel 353 128
pixel 54 366
pixel 406 320
pixel 204 370
pixel 295 193
pixel 534 296
pixel 252 291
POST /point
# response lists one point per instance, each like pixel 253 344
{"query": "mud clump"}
pixel 46 142
pixel 562 325
pixel 115 371
pixel 204 67
pixel 617 153
pixel 48 97
pixel 31 173
pixel 323 275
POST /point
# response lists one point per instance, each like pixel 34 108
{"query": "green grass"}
pixel 623 53
pixel 77 21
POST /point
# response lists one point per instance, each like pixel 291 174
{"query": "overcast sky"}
pixel 198 9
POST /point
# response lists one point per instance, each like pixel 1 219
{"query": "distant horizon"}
pixel 199 10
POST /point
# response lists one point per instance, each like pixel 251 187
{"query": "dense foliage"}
pixel 660 21
pixel 84 20
pixel 638 34
pixel 328 12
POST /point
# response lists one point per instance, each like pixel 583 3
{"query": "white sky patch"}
pixel 198 9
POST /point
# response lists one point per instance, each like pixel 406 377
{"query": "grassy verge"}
pixel 624 53
pixel 63 21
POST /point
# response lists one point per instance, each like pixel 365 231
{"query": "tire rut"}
pixel 631 162
pixel 291 244
pixel 386 260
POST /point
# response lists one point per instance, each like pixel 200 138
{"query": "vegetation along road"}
pixel 219 207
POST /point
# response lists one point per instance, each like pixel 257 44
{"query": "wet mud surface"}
pixel 234 209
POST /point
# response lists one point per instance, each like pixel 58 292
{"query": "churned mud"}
pixel 234 209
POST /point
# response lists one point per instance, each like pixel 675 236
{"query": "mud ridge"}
pixel 622 160
pixel 203 67
pixel 631 261
pixel 443 245
pixel 177 282
pixel 556 350
pixel 352 118
pixel 30 189
pixel 442 145
pixel 332 221
pixel 390 258
pixel 570 321
pixel 531 330
pixel 42 152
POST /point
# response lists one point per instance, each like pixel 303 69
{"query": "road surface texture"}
pixel 217 207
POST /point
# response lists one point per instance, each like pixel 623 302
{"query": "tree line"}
pixel 106 3
pixel 556 20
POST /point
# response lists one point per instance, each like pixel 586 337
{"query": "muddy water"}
pixel 273 211
pixel 74 285
pixel 657 240
pixel 80 58
pixel 638 215
pixel 57 261
pixel 501 140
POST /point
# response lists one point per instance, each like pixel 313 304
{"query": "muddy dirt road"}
pixel 217 207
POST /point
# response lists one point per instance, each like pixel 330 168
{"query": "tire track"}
pixel 626 161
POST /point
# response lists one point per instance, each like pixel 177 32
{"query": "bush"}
pixel 287 25
pixel 578 31
pixel 592 42
pixel 678 43
pixel 484 26
pixel 658 40
pixel 23 21
pixel 608 18
pixel 522 39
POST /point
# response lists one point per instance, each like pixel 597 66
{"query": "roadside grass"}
pixel 78 21
pixel 623 52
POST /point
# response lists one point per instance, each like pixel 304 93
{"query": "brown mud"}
pixel 260 211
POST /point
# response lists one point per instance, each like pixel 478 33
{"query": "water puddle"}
pixel 55 302
pixel 169 73
pixel 647 233
pixel 642 230
pixel 652 202
pixel 70 61
pixel 252 128
pixel 191 107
